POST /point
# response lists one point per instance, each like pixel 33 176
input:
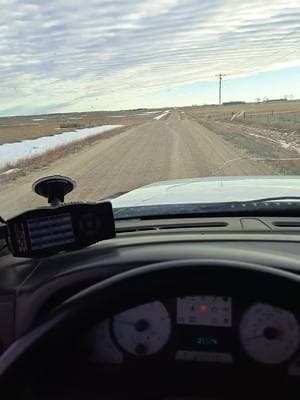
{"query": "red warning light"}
pixel 203 308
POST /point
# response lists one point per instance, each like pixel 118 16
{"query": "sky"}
pixel 88 55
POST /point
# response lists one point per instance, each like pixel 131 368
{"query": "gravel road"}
pixel 170 148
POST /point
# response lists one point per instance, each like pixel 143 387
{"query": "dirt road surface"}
pixel 171 148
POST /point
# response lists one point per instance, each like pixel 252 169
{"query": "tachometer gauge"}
pixel 269 335
pixel 143 330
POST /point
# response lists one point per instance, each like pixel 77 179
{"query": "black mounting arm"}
pixel 54 188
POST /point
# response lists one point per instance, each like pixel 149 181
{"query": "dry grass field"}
pixel 264 130
pixel 14 129
pixel 226 111
pixel 22 128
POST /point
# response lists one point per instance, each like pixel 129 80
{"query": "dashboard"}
pixel 201 329
pixel 221 328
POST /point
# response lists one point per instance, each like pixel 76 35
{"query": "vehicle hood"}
pixel 209 190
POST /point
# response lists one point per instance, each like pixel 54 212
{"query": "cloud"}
pixel 112 54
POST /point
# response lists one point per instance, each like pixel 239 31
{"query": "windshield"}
pixel 122 94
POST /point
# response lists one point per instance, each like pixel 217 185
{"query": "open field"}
pixel 28 143
pixel 263 130
pixel 283 117
pixel 226 111
pixel 14 129
pixel 282 120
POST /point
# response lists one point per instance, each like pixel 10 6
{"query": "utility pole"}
pixel 220 76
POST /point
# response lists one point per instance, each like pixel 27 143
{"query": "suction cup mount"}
pixel 54 188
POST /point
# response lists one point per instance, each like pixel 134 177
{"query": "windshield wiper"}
pixel 276 198
pixel 251 208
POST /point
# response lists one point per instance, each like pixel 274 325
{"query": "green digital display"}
pixel 207 340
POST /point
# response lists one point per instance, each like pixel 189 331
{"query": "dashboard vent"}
pixel 175 225
pixel 287 224
pixel 196 225
pixel 135 229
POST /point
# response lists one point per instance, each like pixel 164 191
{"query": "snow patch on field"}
pixel 286 140
pixel 237 115
pixel 162 115
pixel 147 113
pixel 11 153
pixel 10 171
pixel 280 142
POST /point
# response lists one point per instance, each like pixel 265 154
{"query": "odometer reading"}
pixel 204 310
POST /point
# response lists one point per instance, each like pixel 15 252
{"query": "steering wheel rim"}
pixel 116 294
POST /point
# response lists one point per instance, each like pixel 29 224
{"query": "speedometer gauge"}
pixel 269 335
pixel 143 330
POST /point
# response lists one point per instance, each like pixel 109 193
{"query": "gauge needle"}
pixel 254 337
pixel 278 335
pixel 123 321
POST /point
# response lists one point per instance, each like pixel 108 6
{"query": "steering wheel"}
pixel 144 284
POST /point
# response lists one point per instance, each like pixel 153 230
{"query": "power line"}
pixel 220 76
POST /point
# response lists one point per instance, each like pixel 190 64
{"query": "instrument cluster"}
pixel 199 329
